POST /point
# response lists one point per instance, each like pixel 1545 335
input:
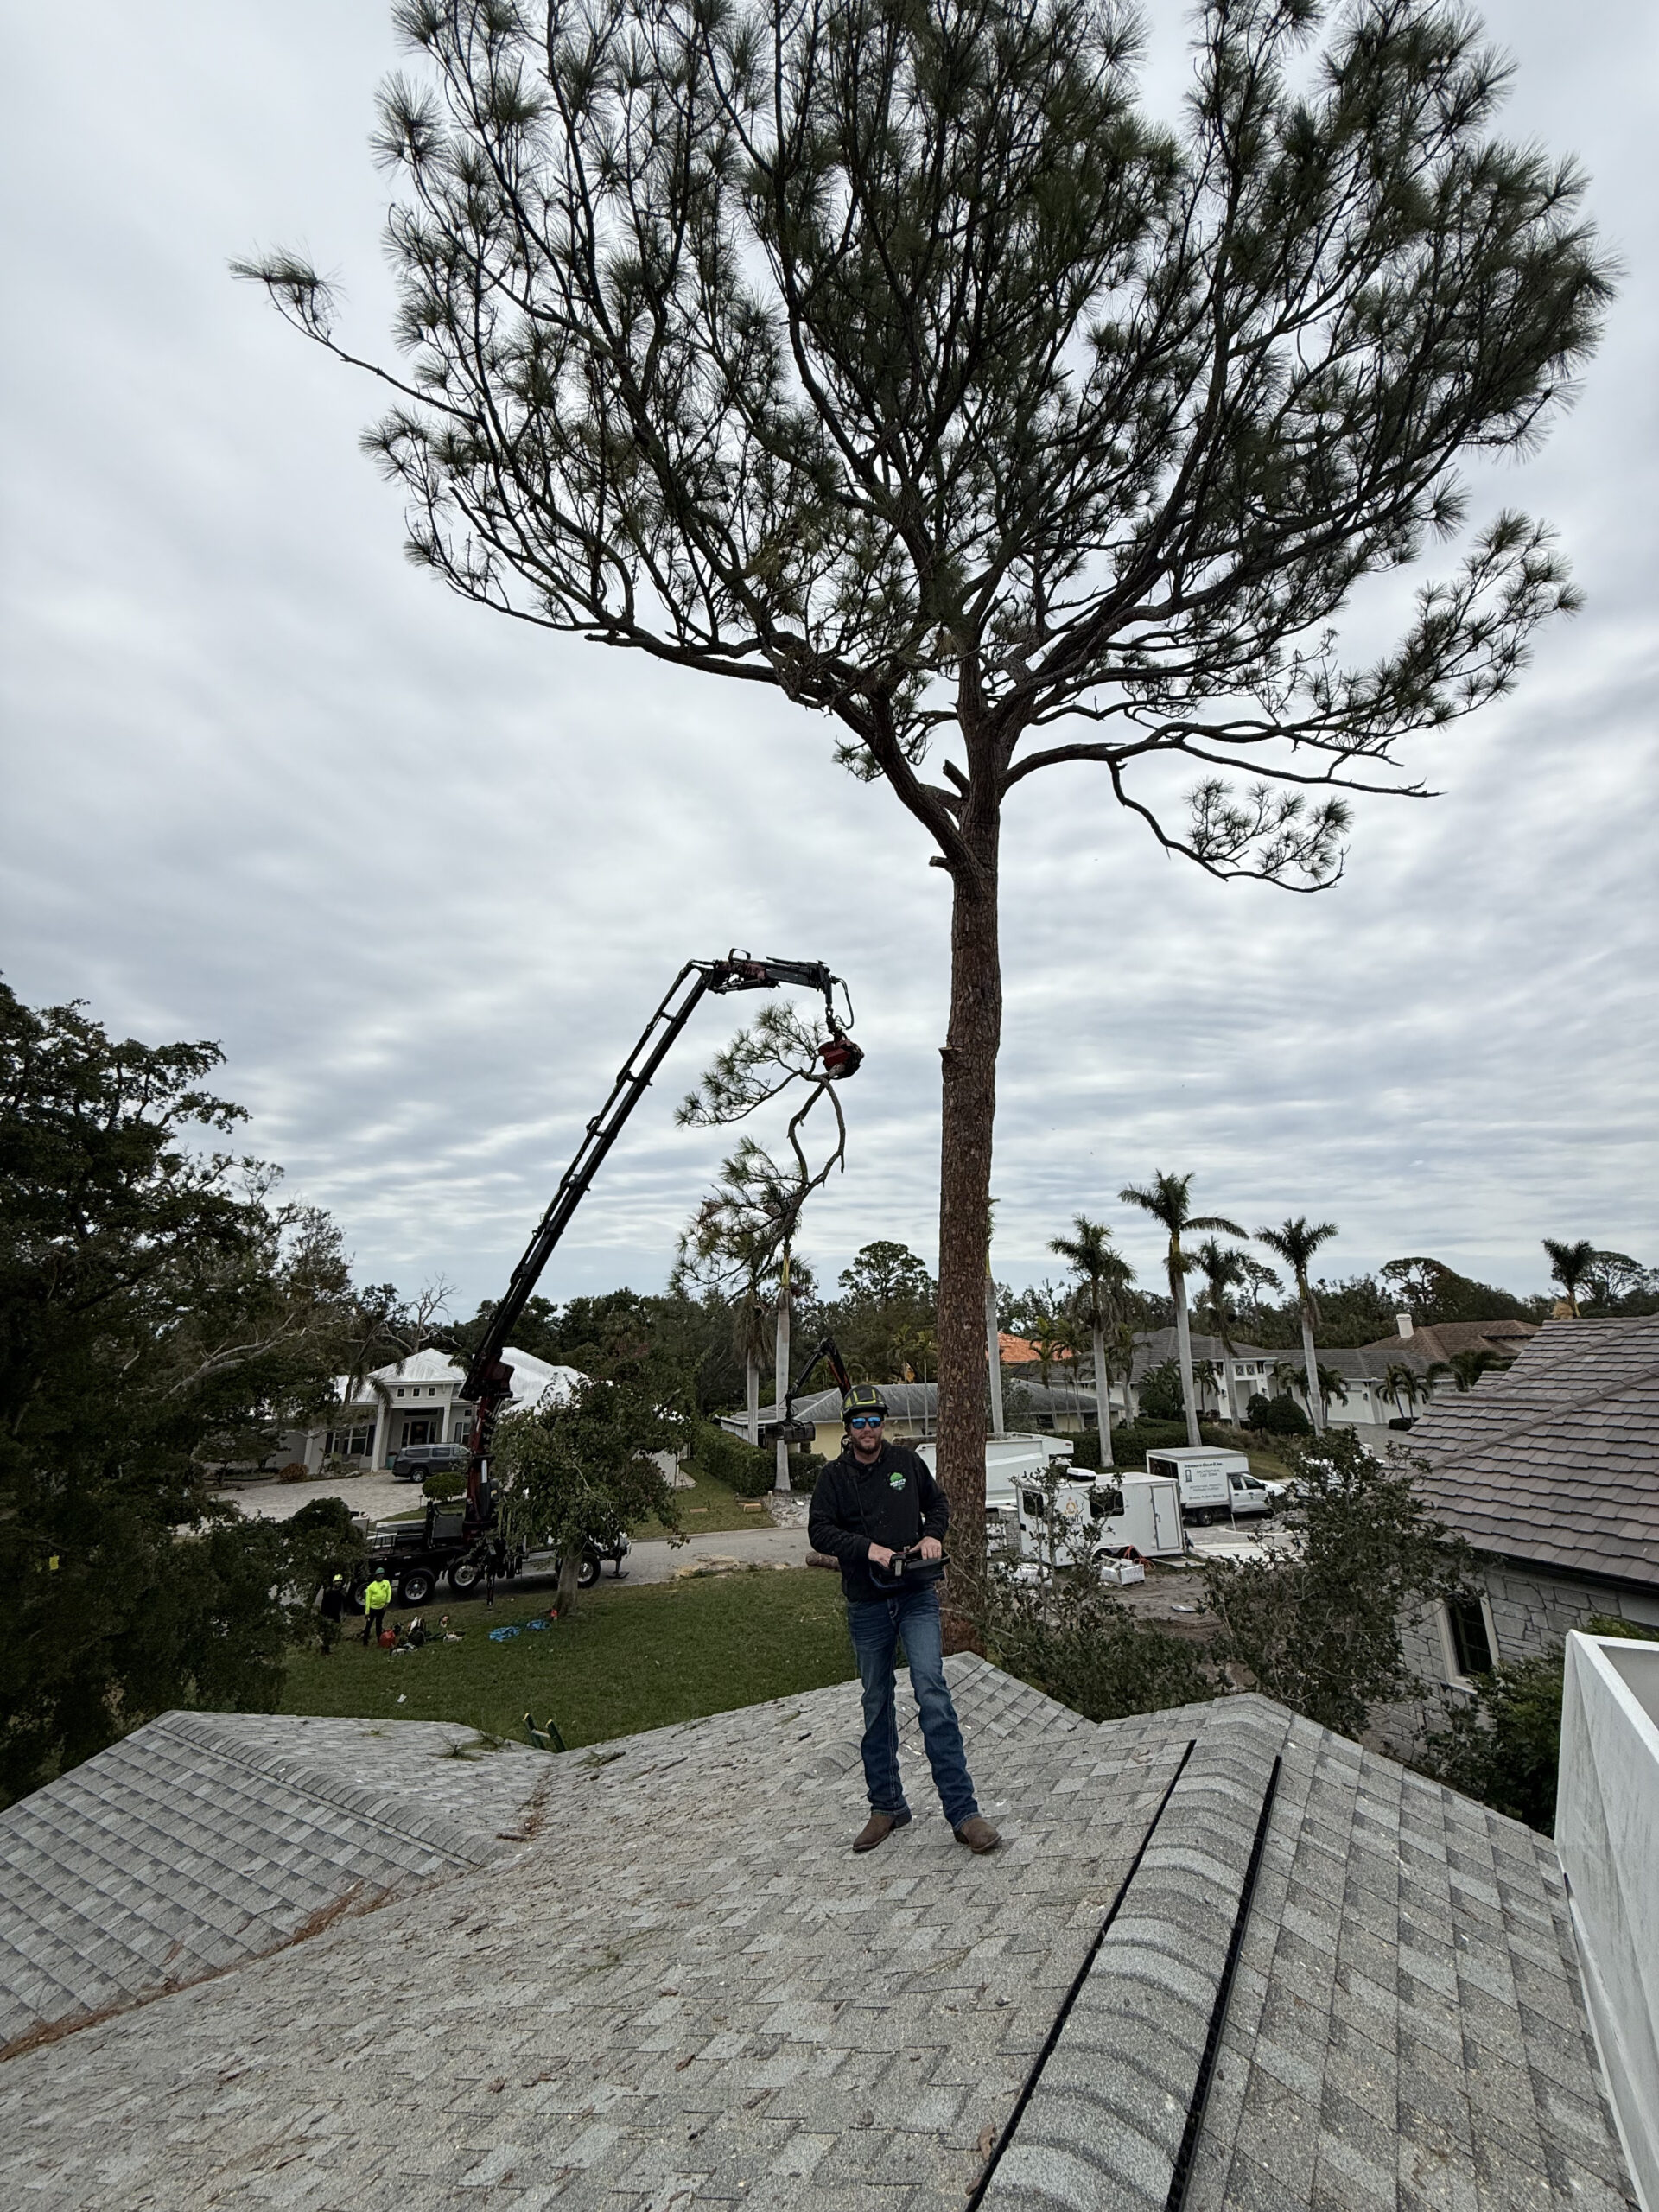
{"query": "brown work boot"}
pixel 878 1829
pixel 978 1835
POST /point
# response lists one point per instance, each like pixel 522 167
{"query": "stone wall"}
pixel 1533 1612
pixel 1530 1613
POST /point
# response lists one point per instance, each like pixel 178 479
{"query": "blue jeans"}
pixel 913 1614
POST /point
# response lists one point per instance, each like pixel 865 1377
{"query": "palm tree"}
pixel 1106 1276
pixel 1468 1367
pixel 1296 1242
pixel 1223 1270
pixel 1439 1371
pixel 1570 1264
pixel 1047 1333
pixel 1331 1386
pixel 1166 1199
pixel 1402 1382
pixel 1286 1378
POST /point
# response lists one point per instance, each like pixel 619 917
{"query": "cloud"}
pixel 425 872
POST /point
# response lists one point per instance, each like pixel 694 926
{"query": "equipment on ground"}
pixel 489 1379
pixel 414 1556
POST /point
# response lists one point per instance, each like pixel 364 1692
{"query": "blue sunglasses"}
pixel 867 1420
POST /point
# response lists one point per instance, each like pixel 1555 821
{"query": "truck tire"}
pixel 466 1574
pixel 587 1573
pixel 417 1586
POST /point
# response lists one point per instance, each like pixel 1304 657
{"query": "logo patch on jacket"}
pixel 897 1479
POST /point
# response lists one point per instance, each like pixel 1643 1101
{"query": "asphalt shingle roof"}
pixel 208 1839
pixel 681 1989
pixel 1556 1460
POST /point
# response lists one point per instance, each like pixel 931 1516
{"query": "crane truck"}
pixel 467 1544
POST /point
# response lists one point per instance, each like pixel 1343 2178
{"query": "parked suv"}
pixel 417 1461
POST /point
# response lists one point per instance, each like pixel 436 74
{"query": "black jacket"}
pixel 893 1501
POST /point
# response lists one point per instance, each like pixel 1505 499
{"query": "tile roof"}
pixel 1556 1460
pixel 919 1402
pixel 682 1989
pixel 1440 1339
pixel 209 1839
pixel 1353 1362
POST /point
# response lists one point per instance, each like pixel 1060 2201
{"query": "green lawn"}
pixel 628 1659
pixel 708 1507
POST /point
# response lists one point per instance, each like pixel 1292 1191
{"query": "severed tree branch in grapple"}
pixel 893 357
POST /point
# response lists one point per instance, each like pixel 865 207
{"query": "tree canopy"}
pixel 161 1310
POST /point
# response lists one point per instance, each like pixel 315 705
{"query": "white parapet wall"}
pixel 1607 1834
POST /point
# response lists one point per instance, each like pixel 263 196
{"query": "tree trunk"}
pixel 780 1479
pixel 564 1598
pixel 752 1369
pixel 967 1121
pixel 1310 1362
pixel 1102 1398
pixel 994 1358
pixel 1183 1349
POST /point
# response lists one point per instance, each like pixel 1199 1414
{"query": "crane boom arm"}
pixel 487 1378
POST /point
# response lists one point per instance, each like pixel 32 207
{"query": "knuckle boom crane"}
pixel 489 1379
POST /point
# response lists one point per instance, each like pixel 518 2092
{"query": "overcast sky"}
pixel 424 873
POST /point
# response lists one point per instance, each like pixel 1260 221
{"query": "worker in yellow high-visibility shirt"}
pixel 376 1599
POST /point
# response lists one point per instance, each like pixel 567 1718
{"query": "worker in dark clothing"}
pixel 332 1607
pixel 879 1511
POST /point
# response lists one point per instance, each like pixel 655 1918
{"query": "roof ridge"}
pixel 467 1847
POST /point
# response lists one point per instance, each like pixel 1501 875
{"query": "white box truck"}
pixel 1214 1484
pixel 1006 1459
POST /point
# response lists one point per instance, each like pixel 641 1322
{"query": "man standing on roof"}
pixel 879 1511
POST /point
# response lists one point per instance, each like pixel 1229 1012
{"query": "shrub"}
pixel 329 1516
pixel 295 1471
pixel 1316 1620
pixel 445 1482
pixel 1161 1393
pixel 748 1469
pixel 1131 1442
pixel 1072 1637
pixel 1277 1417
pixel 804 1468
pixel 1503 1745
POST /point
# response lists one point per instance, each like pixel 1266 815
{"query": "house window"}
pixel 351 1443
pixel 1468 1636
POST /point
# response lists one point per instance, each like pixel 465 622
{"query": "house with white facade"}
pixel 1226 1379
pixel 418 1400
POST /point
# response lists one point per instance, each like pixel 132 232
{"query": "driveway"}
pixel 376 1495
pixel 661 1562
